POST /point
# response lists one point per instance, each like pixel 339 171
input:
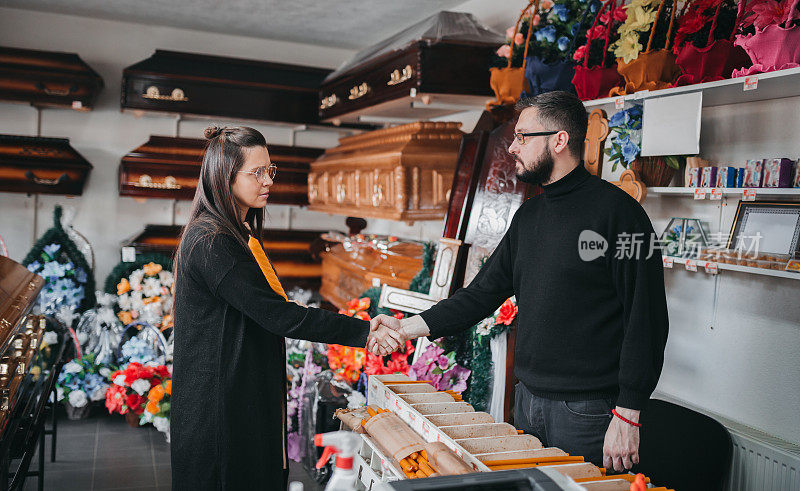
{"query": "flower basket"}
pixel 775 46
pixel 652 69
pixel 546 77
pixel 653 171
pixel 508 82
pixel 595 82
pixel 132 419
pixel 714 61
pixel 76 413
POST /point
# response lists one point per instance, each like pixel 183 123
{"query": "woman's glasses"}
pixel 262 172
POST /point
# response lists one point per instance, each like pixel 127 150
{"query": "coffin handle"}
pixel 62 179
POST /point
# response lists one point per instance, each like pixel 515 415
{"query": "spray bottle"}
pixel 344 444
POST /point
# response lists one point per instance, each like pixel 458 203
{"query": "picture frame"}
pixel 777 222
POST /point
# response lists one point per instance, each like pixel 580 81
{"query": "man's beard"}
pixel 541 171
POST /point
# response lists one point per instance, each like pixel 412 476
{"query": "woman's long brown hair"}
pixel 214 208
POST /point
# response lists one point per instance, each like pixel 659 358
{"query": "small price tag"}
pixel 376 282
pixel 619 102
pixel 711 268
pixel 691 265
pixel 668 261
pixel 77 104
pixel 128 254
pixel 749 194
pixel 716 194
pixel 699 193
pixel 750 83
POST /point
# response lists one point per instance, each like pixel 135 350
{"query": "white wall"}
pixel 746 368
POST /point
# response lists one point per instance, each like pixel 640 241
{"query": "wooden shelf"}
pixel 771 85
pixel 760 192
pixel 701 265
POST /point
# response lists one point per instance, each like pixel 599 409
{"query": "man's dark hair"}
pixel 559 110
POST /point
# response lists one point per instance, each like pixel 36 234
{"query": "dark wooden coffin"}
pixel 455 66
pixel 169 167
pixel 47 78
pixel 41 165
pixel 295 254
pixel 189 83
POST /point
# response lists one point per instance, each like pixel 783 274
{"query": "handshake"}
pixel 388 334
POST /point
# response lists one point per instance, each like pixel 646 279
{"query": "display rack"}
pixel 760 192
pixel 710 266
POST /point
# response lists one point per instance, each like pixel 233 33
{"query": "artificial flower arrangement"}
pixel 157 407
pixel 481 362
pixel 695 23
pixel 626 143
pixel 440 369
pixel 145 296
pixel 635 30
pixel 137 350
pixel 596 47
pixel 127 394
pixel 500 320
pixel 69 283
pixel 82 381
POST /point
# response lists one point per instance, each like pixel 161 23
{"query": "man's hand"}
pixel 385 336
pixel 621 446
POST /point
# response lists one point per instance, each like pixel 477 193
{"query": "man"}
pixel 592 320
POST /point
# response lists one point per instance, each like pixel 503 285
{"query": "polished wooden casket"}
pixel 189 83
pixel 402 173
pixel 47 78
pixel 169 167
pixel 31 164
pixel 347 272
pixel 295 254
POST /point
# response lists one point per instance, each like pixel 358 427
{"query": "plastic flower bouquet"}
pixel 440 369
pixel 131 386
pixel 145 296
pixel 65 283
pixel 157 408
pixel 80 382
pixel 626 142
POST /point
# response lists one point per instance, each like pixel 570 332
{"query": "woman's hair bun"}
pixel 213 132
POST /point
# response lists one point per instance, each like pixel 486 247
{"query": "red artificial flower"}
pixel 597 32
pixel 692 24
pixel 508 311
pixel 374 365
pixel 579 53
pixel 398 363
pixel 162 371
pixel 115 399
pixel 621 15
pixel 135 403
pixel 409 347
pixel 352 304
pixel 767 12
pixel 364 303
pixel 345 312
pixel 362 315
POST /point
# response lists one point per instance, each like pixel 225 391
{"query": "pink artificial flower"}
pixel 579 53
pixel 621 15
pixel 767 12
pixel 510 32
pixel 597 32
pixel 536 20
pixel 504 51
pixel 519 39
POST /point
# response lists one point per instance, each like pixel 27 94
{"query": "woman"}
pixel 231 317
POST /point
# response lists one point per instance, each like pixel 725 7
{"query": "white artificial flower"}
pixel 135 279
pixel 151 287
pixel 166 304
pixel 147 417
pixel 124 301
pixel 105 372
pixel 83 337
pixel 51 338
pixel 136 301
pixel 77 398
pixel 99 393
pixel 166 278
pixel 59 393
pixel 141 386
pixel 73 367
pixel 356 399
pixel 161 423
pixel 120 380
pixel 485 326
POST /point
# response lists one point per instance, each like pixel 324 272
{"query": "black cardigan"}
pixel 229 377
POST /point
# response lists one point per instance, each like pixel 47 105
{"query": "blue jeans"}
pixel 576 427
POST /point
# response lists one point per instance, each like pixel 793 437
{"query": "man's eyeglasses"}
pixel 262 172
pixel 521 136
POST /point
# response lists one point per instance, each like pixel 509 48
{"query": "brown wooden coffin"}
pixel 424 63
pixel 169 167
pixel 346 274
pixel 294 253
pixel 188 83
pixel 47 78
pixel 401 173
pixel 41 165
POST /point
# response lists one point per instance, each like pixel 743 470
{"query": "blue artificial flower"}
pixel 574 29
pixel 635 111
pixel 62 285
pixel 80 275
pixel 51 250
pixel 549 33
pixel 52 269
pixel 563 43
pixel 593 7
pixel 629 149
pixel 68 266
pixel 561 11
pixel 619 119
pixel 34 266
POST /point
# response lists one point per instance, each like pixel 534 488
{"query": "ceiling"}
pixel 351 24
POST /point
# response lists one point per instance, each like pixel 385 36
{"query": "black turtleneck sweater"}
pixel 586 329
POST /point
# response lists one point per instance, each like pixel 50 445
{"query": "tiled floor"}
pixel 104 453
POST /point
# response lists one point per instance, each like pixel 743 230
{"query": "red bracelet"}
pixel 615 413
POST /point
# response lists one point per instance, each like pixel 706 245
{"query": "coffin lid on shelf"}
pixel 442 59
pixel 189 83
pixel 169 167
pixel 293 253
pixel 47 78
pixel 31 164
